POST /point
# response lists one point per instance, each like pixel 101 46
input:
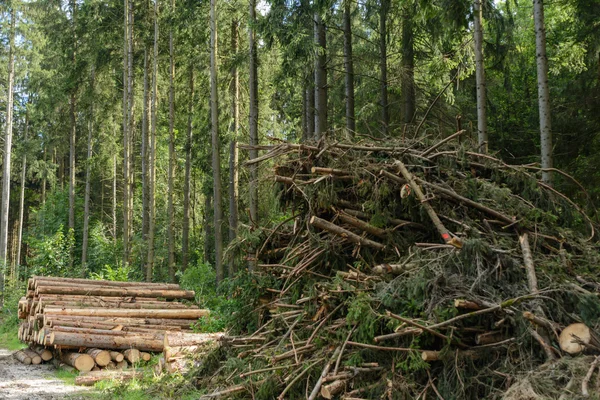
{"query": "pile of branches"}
pixel 415 270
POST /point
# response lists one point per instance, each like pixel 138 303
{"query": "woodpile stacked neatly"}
pixel 93 324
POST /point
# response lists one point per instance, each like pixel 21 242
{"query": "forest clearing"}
pixel 300 199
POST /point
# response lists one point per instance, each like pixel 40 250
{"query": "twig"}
pixel 297 378
pixel 441 142
pixel 588 376
pixel 317 387
pixel 383 348
pixel 547 348
pixel 337 363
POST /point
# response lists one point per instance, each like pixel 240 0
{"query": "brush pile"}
pixel 94 324
pixel 412 270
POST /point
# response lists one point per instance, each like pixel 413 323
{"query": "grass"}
pixel 9 329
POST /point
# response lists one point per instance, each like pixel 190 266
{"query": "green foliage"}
pixel 120 273
pixel 363 316
pixel 9 321
pixel 51 255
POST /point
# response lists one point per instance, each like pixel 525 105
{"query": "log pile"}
pixel 97 324
pixel 411 269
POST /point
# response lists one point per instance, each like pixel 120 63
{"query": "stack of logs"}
pixel 98 324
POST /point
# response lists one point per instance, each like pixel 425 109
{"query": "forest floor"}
pixel 33 382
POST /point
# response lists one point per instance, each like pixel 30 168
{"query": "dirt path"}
pixel 32 382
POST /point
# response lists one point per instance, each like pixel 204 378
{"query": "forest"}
pixel 212 143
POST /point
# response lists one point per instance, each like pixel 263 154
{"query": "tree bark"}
pixel 144 153
pixel 73 133
pixel 131 313
pixel 185 239
pixel 171 188
pixel 385 114
pixel 7 153
pixel 310 107
pixel 482 134
pixel 125 134
pixel 88 172
pixel 233 150
pixel 543 91
pixel 253 119
pixel 408 66
pixel 349 69
pixel 22 196
pixel 216 156
pixel 102 291
pixel 152 154
pixel 320 77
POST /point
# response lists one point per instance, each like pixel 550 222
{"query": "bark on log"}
pixel 37 279
pixel 116 356
pixel 185 323
pixel 91 291
pixel 330 227
pixel 22 357
pixel 111 325
pixel 466 304
pixel 178 339
pixel 117 312
pixel 431 355
pixel 121 342
pixel 35 358
pixel 132 355
pixel 331 390
pixel 489 338
pixel 44 353
pixel 79 361
pixel 101 357
pixel 360 224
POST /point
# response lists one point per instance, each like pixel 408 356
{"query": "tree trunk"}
pixel 310 106
pixel 482 134
pixel 135 313
pixel 72 136
pixel 185 240
pixel 79 361
pixel 208 229
pixel 7 153
pixel 253 120
pixel 125 135
pixel 216 155
pixel 171 187
pixel 385 114
pixel 88 171
pixel 152 154
pixel 131 118
pixel 543 90
pixel 22 197
pixel 408 66
pixel 349 69
pixel 144 154
pixel 233 151
pixel 320 78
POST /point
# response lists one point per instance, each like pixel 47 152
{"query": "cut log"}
pixel 576 337
pixel 111 366
pixel 177 339
pixel 44 353
pixel 39 279
pixel 334 388
pixel 90 379
pixel 490 337
pixel 117 312
pixel 101 357
pixel 394 269
pixel 337 230
pixel 22 357
pixel 122 365
pixel 132 355
pixel 80 361
pixel 122 342
pixel 184 323
pixel 145 356
pixel 431 355
pixel 35 358
pixel 116 356
pixel 466 304
pixel 112 326
pixel 41 305
pixel 360 224
pixel 91 291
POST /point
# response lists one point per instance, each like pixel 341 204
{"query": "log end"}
pixel 568 336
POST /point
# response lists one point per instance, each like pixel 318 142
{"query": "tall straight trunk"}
pixel 253 118
pixel 408 66
pixel 171 188
pixel 208 231
pixel 152 153
pixel 320 78
pixel 216 158
pixel 45 149
pixel 482 134
pixel 385 113
pixel 131 116
pixel 72 135
pixel 543 91
pixel 234 89
pixel 185 239
pixel 349 69
pixel 125 134
pixel 144 149
pixel 88 171
pixel 114 199
pixel 310 106
pixel 22 196
pixel 7 153
pixel 305 136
